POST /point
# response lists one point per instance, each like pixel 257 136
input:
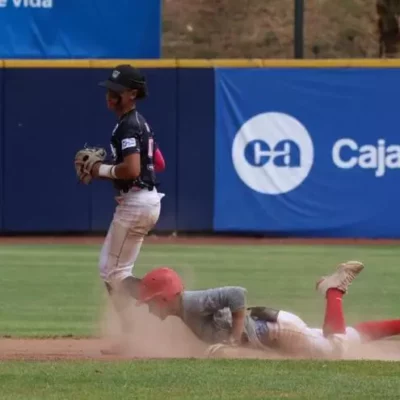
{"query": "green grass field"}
pixel 198 379
pixel 54 290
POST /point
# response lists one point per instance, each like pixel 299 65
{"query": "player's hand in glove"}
pixel 85 159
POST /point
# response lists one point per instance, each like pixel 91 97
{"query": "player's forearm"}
pixel 120 171
pixel 238 319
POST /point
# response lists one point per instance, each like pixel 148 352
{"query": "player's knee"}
pixel 353 336
pixel 340 344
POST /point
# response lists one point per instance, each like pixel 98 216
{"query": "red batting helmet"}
pixel 161 284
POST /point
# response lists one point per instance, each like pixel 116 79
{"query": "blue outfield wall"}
pixel 51 113
pixel 46 120
pixel 195 202
pixel 1 149
pixel 289 151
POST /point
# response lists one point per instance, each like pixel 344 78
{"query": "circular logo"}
pixel 272 153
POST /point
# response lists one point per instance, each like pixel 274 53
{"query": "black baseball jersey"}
pixel 132 134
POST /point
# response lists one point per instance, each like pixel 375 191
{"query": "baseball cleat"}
pixel 341 279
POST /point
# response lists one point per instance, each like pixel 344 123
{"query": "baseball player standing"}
pixel 135 159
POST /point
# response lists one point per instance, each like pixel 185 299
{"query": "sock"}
pixel 131 286
pixel 334 318
pixel 375 330
pixel 121 295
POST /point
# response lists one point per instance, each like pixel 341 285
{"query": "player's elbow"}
pixel 132 166
pixel 238 298
pixel 234 297
pixel 133 172
pixel 128 171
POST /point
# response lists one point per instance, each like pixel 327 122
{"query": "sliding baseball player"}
pixel 221 318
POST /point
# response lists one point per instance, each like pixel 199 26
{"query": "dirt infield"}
pixel 51 349
pixel 66 349
pixel 91 349
pixel 151 339
pixel 198 240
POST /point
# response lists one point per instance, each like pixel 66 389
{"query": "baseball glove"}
pixel 84 161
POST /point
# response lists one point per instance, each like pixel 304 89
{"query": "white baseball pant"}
pixel 291 335
pixel 134 217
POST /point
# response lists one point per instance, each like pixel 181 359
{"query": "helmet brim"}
pixel 115 87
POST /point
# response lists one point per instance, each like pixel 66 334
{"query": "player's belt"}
pixel 266 314
pixel 136 186
pixel 132 189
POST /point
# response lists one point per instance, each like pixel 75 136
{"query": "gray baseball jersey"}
pixel 208 313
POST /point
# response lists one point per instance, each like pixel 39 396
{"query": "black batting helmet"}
pixel 125 77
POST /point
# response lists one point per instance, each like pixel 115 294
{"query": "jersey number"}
pixel 151 148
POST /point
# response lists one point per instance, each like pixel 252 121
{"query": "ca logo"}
pixel 272 153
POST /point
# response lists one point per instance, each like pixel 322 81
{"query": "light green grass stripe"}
pixel 198 379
